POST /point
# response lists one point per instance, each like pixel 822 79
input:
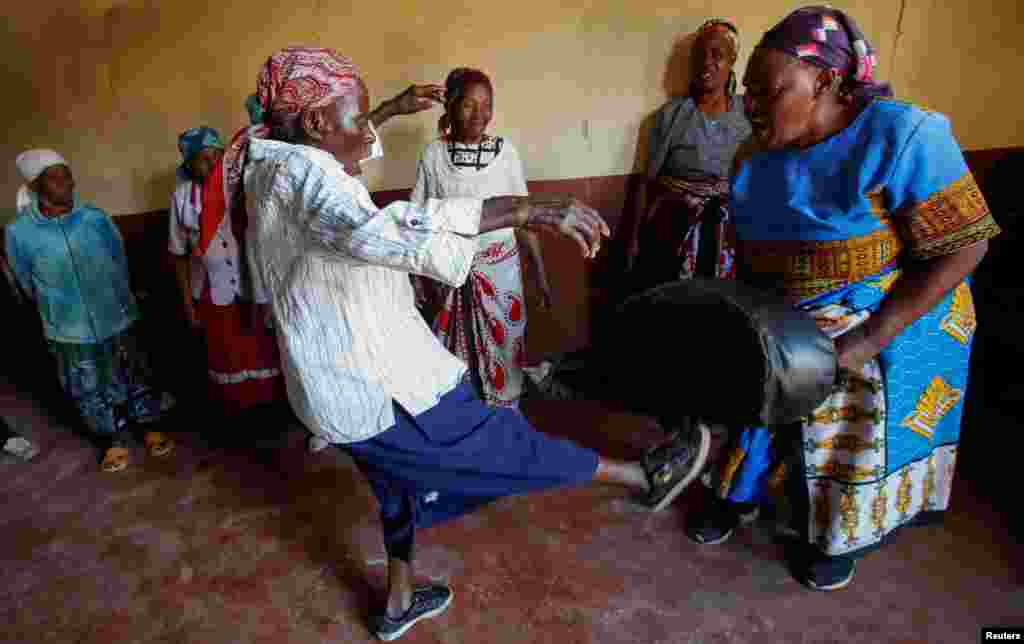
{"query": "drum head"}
pixel 720 351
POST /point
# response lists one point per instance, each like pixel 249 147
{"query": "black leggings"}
pixel 398 509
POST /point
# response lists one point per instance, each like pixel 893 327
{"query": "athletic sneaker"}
pixel 673 466
pixel 429 601
pixel 715 523
pixel 830 573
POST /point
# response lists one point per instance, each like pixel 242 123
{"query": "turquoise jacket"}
pixel 75 269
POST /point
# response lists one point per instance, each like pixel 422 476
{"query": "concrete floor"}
pixel 281 547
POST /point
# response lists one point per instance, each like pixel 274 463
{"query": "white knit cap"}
pixel 31 164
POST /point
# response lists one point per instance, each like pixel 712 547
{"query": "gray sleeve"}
pixel 661 137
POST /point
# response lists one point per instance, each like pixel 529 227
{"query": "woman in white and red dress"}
pixel 484 321
pixel 206 233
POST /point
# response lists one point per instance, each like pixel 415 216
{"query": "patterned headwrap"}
pixel 292 81
pixel 191 142
pixel 830 39
pixel 732 34
pixel 455 89
pixel 297 79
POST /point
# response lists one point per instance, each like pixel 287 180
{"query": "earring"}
pixel 830 86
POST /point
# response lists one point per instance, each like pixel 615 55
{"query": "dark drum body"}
pixel 720 352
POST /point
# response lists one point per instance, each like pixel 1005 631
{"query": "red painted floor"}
pixel 279 546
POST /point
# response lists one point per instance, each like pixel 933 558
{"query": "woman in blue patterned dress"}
pixel 861 210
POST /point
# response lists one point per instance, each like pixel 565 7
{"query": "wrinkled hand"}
pixel 855 348
pixel 567 216
pixel 418 98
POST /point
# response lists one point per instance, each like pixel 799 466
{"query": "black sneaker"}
pixel 429 601
pixel 715 523
pixel 673 466
pixel 830 573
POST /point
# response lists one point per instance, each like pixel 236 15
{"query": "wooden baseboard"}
pixel 578 284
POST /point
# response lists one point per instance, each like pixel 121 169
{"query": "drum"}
pixel 719 351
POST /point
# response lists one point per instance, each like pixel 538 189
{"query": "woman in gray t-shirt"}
pixel 685 198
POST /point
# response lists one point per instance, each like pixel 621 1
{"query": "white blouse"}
pixel 221 263
pixel 438 178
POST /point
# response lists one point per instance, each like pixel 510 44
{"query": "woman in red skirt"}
pixel 207 233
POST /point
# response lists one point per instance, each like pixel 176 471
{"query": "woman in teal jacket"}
pixel 68 256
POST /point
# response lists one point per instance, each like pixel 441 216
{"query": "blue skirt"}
pixel 462 454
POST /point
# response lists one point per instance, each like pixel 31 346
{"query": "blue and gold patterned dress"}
pixel 834 225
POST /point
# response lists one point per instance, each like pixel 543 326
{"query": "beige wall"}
pixel 111 84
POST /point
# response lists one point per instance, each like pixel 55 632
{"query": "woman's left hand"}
pixel 855 348
pixel 418 98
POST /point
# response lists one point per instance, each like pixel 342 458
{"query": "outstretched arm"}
pixel 436 239
pixel 561 214
pixel 416 98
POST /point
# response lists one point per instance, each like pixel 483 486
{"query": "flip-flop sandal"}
pixel 21 448
pixel 158 444
pixel 115 459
